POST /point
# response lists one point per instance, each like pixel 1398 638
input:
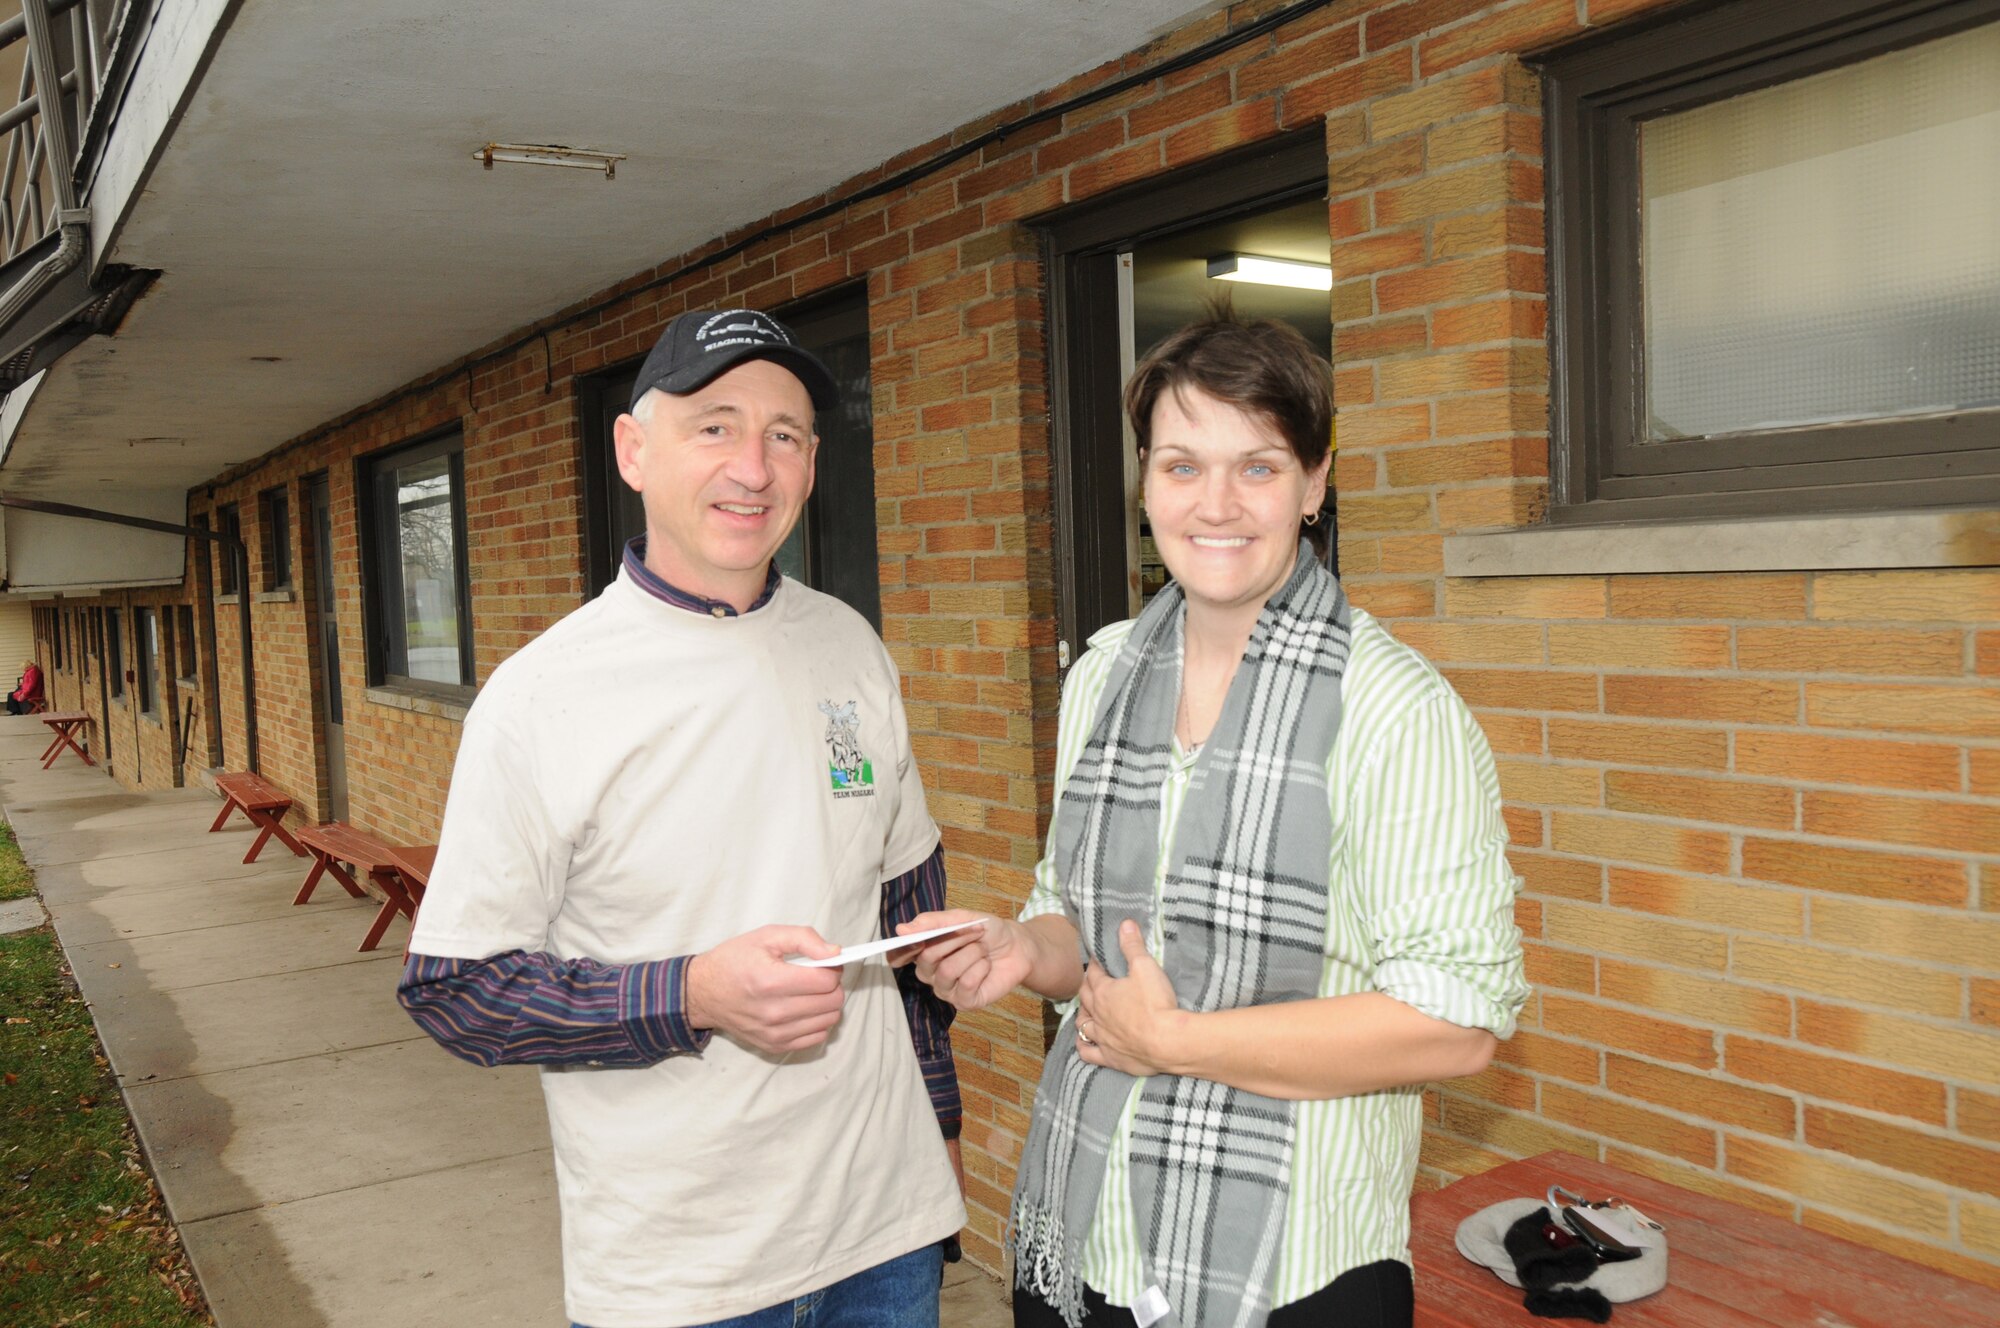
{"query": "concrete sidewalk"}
pixel 328 1166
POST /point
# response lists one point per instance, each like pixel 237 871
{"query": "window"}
pixel 413 522
pixel 114 652
pixel 1775 261
pixel 184 642
pixel 274 517
pixel 229 524
pixel 146 652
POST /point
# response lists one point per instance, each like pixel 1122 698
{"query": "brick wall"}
pixel 1756 814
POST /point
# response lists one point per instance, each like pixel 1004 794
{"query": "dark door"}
pixel 1125 272
pixel 326 630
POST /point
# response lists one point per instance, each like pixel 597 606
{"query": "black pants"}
pixel 1375 1295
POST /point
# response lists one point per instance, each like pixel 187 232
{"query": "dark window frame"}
pixel 274 522
pixel 381 565
pixel 114 652
pixel 144 661
pixel 228 522
pixel 1596 94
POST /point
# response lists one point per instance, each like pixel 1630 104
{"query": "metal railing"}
pixel 43 131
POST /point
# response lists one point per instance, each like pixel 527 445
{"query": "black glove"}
pixel 1542 1265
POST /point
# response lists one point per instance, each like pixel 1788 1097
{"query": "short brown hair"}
pixel 1261 367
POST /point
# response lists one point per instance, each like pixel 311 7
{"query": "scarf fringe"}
pixel 1041 1264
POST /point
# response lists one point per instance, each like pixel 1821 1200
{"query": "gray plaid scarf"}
pixel 1245 901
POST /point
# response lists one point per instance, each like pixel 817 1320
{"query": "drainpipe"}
pixel 238 554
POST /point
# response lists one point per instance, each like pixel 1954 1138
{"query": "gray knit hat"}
pixel 1481 1237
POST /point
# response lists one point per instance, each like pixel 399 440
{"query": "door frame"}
pixel 1080 249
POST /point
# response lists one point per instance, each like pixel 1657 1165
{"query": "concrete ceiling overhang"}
pixel 325 234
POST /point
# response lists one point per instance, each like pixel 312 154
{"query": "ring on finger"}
pixel 1084 1036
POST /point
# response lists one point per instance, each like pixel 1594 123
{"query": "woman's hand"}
pixel 971 968
pixel 1128 1023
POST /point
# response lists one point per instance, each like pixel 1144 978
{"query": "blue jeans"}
pixel 902 1293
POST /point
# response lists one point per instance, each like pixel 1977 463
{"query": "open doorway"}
pixel 1126 272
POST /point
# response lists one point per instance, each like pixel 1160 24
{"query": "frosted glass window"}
pixel 1827 249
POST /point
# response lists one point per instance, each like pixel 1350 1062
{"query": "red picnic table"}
pixel 337 845
pixel 1727 1266
pixel 261 801
pixel 64 723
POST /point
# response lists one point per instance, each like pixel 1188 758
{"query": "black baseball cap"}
pixel 702 344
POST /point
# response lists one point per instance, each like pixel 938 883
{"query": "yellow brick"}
pixel 1628 839
pixel 1511 1131
pixel 1971 711
pixel 1659 1039
pixel 1475 643
pixel 1931 823
pixel 1700 1180
pixel 1812 759
pixel 1979 1227
pixel 1949 1052
pixel 1850 650
pixel 1635 1125
pixel 1846 976
pixel 1853 871
pixel 1707 1096
pixel 1719 903
pixel 1839 1184
pixel 1709 597
pixel 1542 784
pixel 1812 1075
pixel 1525 597
pixel 1634 935
pixel 1739 700
pixel 1639 744
pixel 1716 1001
pixel 1948 595
pixel 1699 798
pixel 1953 1162
pixel 1938 936
pixel 1607 646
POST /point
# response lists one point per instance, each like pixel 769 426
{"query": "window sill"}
pixel 422 703
pixel 1941 537
pixel 231 598
pixel 282 595
pixel 152 718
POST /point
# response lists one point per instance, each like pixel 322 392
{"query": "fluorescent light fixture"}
pixel 551 154
pixel 1271 271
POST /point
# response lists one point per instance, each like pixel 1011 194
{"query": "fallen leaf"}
pixel 114 965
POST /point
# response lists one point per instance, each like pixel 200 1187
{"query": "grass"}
pixel 16 881
pixel 84 1239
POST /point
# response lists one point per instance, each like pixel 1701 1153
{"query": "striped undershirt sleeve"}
pixel 922 890
pixel 530 1008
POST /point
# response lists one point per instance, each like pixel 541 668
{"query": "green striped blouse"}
pixel 1422 908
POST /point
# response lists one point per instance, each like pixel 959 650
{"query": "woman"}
pixel 1275 900
pixel 27 691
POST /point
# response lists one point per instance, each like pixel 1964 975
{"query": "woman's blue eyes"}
pixel 1256 470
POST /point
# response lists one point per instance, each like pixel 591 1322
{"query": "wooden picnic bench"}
pixel 1727 1266
pixel 259 800
pixel 64 724
pixel 334 848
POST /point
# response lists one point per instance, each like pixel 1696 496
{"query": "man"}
pixel 701 773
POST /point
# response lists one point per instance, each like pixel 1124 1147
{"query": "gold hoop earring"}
pixel 1312 520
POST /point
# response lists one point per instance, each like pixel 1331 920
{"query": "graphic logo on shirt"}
pixel 851 773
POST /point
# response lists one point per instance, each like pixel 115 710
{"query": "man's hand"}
pixel 744 989
pixel 1127 1023
pixel 971 968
